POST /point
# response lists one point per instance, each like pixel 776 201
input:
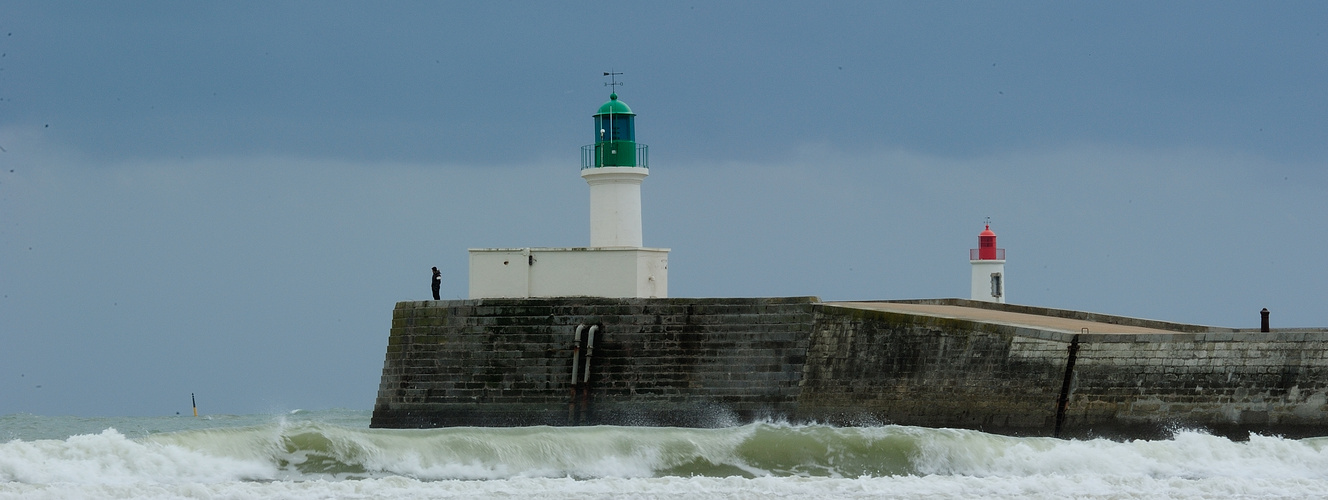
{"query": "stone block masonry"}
pixel 867 366
pixel 718 362
pixel 674 362
pixel 1230 383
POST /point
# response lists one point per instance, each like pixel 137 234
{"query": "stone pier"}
pixel 937 363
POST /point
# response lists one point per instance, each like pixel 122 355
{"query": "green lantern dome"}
pixel 614 106
pixel 615 138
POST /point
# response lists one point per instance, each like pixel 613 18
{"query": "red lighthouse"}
pixel 988 268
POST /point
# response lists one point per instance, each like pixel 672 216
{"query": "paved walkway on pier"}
pixel 1001 317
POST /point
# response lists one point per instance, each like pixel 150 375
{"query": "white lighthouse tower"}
pixel 988 268
pixel 614 171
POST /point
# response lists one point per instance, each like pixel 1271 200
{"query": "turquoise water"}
pixel 333 454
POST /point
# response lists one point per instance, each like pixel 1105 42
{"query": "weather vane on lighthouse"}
pixel 613 82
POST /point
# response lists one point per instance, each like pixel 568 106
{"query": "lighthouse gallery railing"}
pixel 974 252
pixel 588 159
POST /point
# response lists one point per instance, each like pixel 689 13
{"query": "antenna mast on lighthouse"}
pixel 612 84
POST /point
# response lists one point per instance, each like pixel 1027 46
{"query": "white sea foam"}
pixel 110 458
pixel 675 488
pixel 305 456
pixel 1189 454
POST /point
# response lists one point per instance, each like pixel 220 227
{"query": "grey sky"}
pixel 228 199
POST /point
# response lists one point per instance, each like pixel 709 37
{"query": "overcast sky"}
pixel 228 198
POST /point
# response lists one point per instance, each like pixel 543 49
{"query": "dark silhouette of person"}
pixel 437 282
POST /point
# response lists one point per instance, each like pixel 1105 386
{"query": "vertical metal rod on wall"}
pixel 584 411
pixel 590 351
pixel 576 359
pixel 576 351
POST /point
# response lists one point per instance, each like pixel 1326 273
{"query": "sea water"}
pixel 334 454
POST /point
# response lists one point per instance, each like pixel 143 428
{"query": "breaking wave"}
pixel 286 456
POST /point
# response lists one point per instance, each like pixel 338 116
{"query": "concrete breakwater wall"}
pixel 715 362
pixel 676 362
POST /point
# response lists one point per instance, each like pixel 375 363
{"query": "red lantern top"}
pixel 986 249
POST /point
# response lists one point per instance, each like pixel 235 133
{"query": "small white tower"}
pixel 988 268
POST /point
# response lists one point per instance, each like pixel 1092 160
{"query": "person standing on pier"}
pixel 437 282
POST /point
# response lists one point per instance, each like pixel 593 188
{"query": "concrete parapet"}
pixel 1068 314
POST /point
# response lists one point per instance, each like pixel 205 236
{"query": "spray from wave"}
pixel 311 450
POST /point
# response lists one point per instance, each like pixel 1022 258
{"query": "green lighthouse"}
pixel 615 264
pixel 615 138
pixel 614 167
